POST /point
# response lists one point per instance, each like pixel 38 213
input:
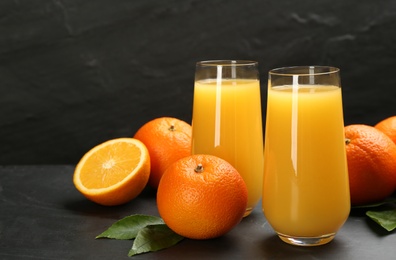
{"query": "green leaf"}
pixel 386 218
pixel 128 227
pixel 153 238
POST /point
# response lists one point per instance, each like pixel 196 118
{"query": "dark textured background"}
pixel 74 73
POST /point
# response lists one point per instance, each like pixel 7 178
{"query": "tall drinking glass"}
pixel 306 189
pixel 227 119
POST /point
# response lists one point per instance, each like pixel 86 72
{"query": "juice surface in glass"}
pixel 306 188
pixel 227 123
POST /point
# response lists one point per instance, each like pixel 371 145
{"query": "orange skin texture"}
pixel 371 157
pixel 388 127
pixel 166 145
pixel 201 205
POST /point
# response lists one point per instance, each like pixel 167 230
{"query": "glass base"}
pixel 307 241
pixel 247 212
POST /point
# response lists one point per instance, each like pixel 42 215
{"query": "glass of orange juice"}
pixel 305 187
pixel 227 119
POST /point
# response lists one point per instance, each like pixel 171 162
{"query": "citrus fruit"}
pixel 167 140
pixel 371 157
pixel 201 197
pixel 114 172
pixel 388 127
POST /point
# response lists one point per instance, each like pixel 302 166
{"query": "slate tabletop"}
pixel 42 216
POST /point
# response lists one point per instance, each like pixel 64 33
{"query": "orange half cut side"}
pixel 114 172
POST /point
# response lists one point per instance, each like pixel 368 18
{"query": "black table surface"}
pixel 42 216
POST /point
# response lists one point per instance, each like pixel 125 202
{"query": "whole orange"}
pixel 201 197
pixel 388 127
pixel 167 139
pixel 371 157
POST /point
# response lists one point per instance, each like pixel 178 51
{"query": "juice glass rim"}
pixel 304 70
pixel 214 63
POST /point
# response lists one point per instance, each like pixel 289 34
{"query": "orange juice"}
pixel 227 123
pixel 306 188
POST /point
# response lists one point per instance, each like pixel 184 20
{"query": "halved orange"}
pixel 114 172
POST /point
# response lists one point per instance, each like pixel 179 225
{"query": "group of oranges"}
pixel 203 196
pixel 371 157
pixel 198 196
